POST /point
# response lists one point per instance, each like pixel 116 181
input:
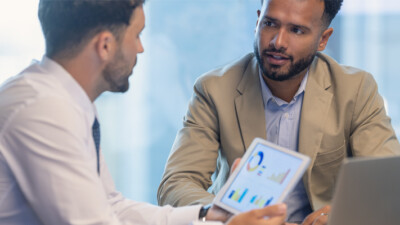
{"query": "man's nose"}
pixel 280 40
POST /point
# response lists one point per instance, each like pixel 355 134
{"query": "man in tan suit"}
pixel 52 169
pixel 337 111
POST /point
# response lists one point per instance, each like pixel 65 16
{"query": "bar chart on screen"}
pixel 238 196
pixel 278 177
pixel 261 201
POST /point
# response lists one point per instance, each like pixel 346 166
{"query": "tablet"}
pixel 265 175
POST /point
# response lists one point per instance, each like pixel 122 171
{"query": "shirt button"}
pixel 286 115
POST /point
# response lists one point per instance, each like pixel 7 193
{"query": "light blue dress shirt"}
pixel 282 126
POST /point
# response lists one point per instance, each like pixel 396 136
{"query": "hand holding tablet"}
pixel 265 175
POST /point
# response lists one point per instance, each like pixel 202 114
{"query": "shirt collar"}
pixel 72 87
pixel 268 96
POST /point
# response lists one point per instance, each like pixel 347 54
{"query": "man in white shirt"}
pixel 51 169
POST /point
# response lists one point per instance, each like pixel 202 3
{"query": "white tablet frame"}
pixel 305 161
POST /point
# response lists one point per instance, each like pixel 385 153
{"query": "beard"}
pixel 117 72
pixel 272 73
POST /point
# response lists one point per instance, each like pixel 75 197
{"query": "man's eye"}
pixel 269 23
pixel 297 30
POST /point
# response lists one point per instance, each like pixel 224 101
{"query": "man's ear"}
pixel 105 45
pixel 258 19
pixel 324 38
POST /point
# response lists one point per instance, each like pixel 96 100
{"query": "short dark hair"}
pixel 68 25
pixel 332 7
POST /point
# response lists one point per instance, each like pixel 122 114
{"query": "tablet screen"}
pixel 262 179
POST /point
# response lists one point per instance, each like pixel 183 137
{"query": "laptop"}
pixel 367 192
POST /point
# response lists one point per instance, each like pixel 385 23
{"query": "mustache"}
pixel 272 49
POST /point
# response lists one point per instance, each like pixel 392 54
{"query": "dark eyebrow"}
pixel 291 24
pixel 301 27
pixel 271 19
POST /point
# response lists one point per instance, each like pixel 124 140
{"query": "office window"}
pixel 182 40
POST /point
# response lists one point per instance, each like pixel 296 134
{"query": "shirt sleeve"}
pixel 132 212
pixel 48 153
pixel 52 158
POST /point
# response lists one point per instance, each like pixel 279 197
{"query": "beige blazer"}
pixel 342 115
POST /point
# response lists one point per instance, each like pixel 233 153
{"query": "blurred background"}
pixel 182 40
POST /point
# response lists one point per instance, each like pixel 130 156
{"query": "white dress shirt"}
pixel 48 163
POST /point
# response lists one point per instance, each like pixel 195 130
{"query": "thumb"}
pixel 270 211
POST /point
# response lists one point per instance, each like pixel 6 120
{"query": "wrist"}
pixel 203 212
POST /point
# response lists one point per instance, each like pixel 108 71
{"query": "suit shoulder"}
pixel 342 75
pixel 343 71
pixel 344 80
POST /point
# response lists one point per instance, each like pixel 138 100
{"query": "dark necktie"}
pixel 96 138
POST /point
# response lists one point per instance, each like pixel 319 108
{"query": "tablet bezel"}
pixel 305 161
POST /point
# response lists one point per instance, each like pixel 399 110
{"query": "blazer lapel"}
pixel 249 105
pixel 316 103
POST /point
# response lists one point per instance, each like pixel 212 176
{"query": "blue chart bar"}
pixel 236 196
pixel 268 201
pixel 233 192
pixel 260 201
pixel 244 193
